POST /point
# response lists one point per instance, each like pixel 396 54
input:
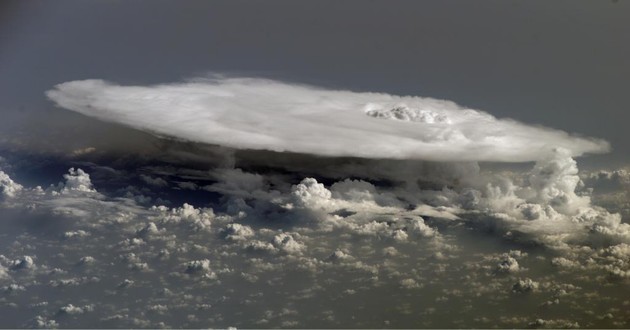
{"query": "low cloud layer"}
pixel 212 236
pixel 247 113
pixel 108 247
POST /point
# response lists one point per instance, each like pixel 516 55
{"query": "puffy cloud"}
pixel 8 187
pixel 197 219
pixel 134 262
pixel 23 263
pixel 354 190
pixel 41 322
pixel 260 246
pixel 339 255
pixel 564 262
pixel 248 113
pixel 404 113
pixel 409 283
pixel 607 180
pixel 554 181
pixel 285 242
pixel 418 227
pixel 125 283
pixel 361 191
pixel 12 288
pixel 399 235
pixel 383 236
pixel 77 180
pixel 609 189
pixel 554 324
pixel 508 265
pixel 532 211
pixel 74 310
pixel 148 230
pixel 310 194
pixel 546 206
pixel 87 260
pixel 76 234
pixel 237 232
pixel 525 285
pixel 197 266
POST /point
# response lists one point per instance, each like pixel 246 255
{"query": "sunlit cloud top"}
pixel 251 113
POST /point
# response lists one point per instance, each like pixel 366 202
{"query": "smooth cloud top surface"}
pixel 248 113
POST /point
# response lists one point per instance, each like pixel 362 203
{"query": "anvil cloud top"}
pixel 251 113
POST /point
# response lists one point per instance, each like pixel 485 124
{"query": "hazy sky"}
pixel 561 64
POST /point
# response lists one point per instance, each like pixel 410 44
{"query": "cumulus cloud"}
pixel 77 180
pixel 197 218
pixel 331 235
pixel 546 205
pixel 43 323
pixel 237 232
pixel 25 262
pixel 508 265
pixel 525 285
pixel 371 241
pixel 8 187
pixel 196 266
pixel 74 310
pixel 288 244
pixel 310 194
pixel 12 288
pixel 248 113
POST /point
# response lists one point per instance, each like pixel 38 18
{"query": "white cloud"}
pixel 8 187
pixel 237 232
pixel 339 255
pixel 125 283
pixel 12 288
pixel 508 265
pixel 418 227
pixel 148 230
pixel 382 247
pixel 197 266
pixel 554 181
pixel 310 194
pixel 23 263
pixel 361 191
pixel 87 260
pixel 260 246
pixel 77 180
pixel 399 235
pixel 197 218
pixel 43 323
pixel 263 114
pixel 76 234
pixel 74 310
pixel 288 244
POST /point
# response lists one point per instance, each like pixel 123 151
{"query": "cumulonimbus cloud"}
pixel 251 113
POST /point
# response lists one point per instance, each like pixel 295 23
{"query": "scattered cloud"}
pixel 263 238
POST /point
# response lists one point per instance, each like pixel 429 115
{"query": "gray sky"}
pixel 562 64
